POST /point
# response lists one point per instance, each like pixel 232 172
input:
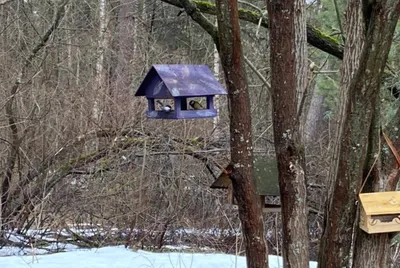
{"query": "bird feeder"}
pixel 380 212
pixel 265 179
pixel 174 86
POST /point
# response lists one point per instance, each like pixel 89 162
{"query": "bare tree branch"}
pixel 10 112
pixel 192 11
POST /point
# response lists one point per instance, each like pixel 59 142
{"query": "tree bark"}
pixel 382 23
pixel 288 82
pixel 217 104
pixel 313 121
pixel 362 71
pixel 241 168
pixel 99 89
pixel 331 239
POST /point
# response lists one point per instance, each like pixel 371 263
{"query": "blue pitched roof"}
pixel 180 81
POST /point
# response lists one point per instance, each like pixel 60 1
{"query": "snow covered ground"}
pixel 71 256
pixel 119 257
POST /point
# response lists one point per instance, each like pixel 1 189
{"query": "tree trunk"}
pixel 123 60
pixel 313 120
pixel 99 90
pixel 250 212
pixel 381 29
pixel 217 104
pixel 331 241
pixel 365 243
pixel 362 70
pixel 288 83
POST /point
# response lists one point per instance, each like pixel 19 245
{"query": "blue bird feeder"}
pixel 179 84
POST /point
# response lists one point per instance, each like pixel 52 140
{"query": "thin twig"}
pixel 339 20
pixel 262 78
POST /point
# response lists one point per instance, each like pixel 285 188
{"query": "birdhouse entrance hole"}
pixel 386 218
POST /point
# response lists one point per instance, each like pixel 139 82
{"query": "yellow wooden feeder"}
pixel 380 212
pixel 265 179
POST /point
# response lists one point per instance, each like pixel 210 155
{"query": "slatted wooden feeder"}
pixel 171 88
pixel 380 212
pixel 265 179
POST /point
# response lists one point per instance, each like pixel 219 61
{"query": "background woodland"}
pixel 76 146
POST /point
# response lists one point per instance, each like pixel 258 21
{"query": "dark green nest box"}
pixel 265 179
pixel 266 176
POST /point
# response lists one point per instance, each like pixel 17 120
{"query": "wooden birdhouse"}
pixel 380 212
pixel 180 91
pixel 265 179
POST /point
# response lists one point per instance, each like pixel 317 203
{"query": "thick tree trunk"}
pixel 378 244
pixel 338 201
pixel 250 212
pixel 362 70
pixel 381 29
pixel 372 250
pixel 288 82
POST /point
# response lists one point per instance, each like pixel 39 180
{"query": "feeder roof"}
pixel 181 81
pixel 381 203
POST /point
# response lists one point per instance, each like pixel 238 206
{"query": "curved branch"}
pixel 192 11
pixel 315 37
